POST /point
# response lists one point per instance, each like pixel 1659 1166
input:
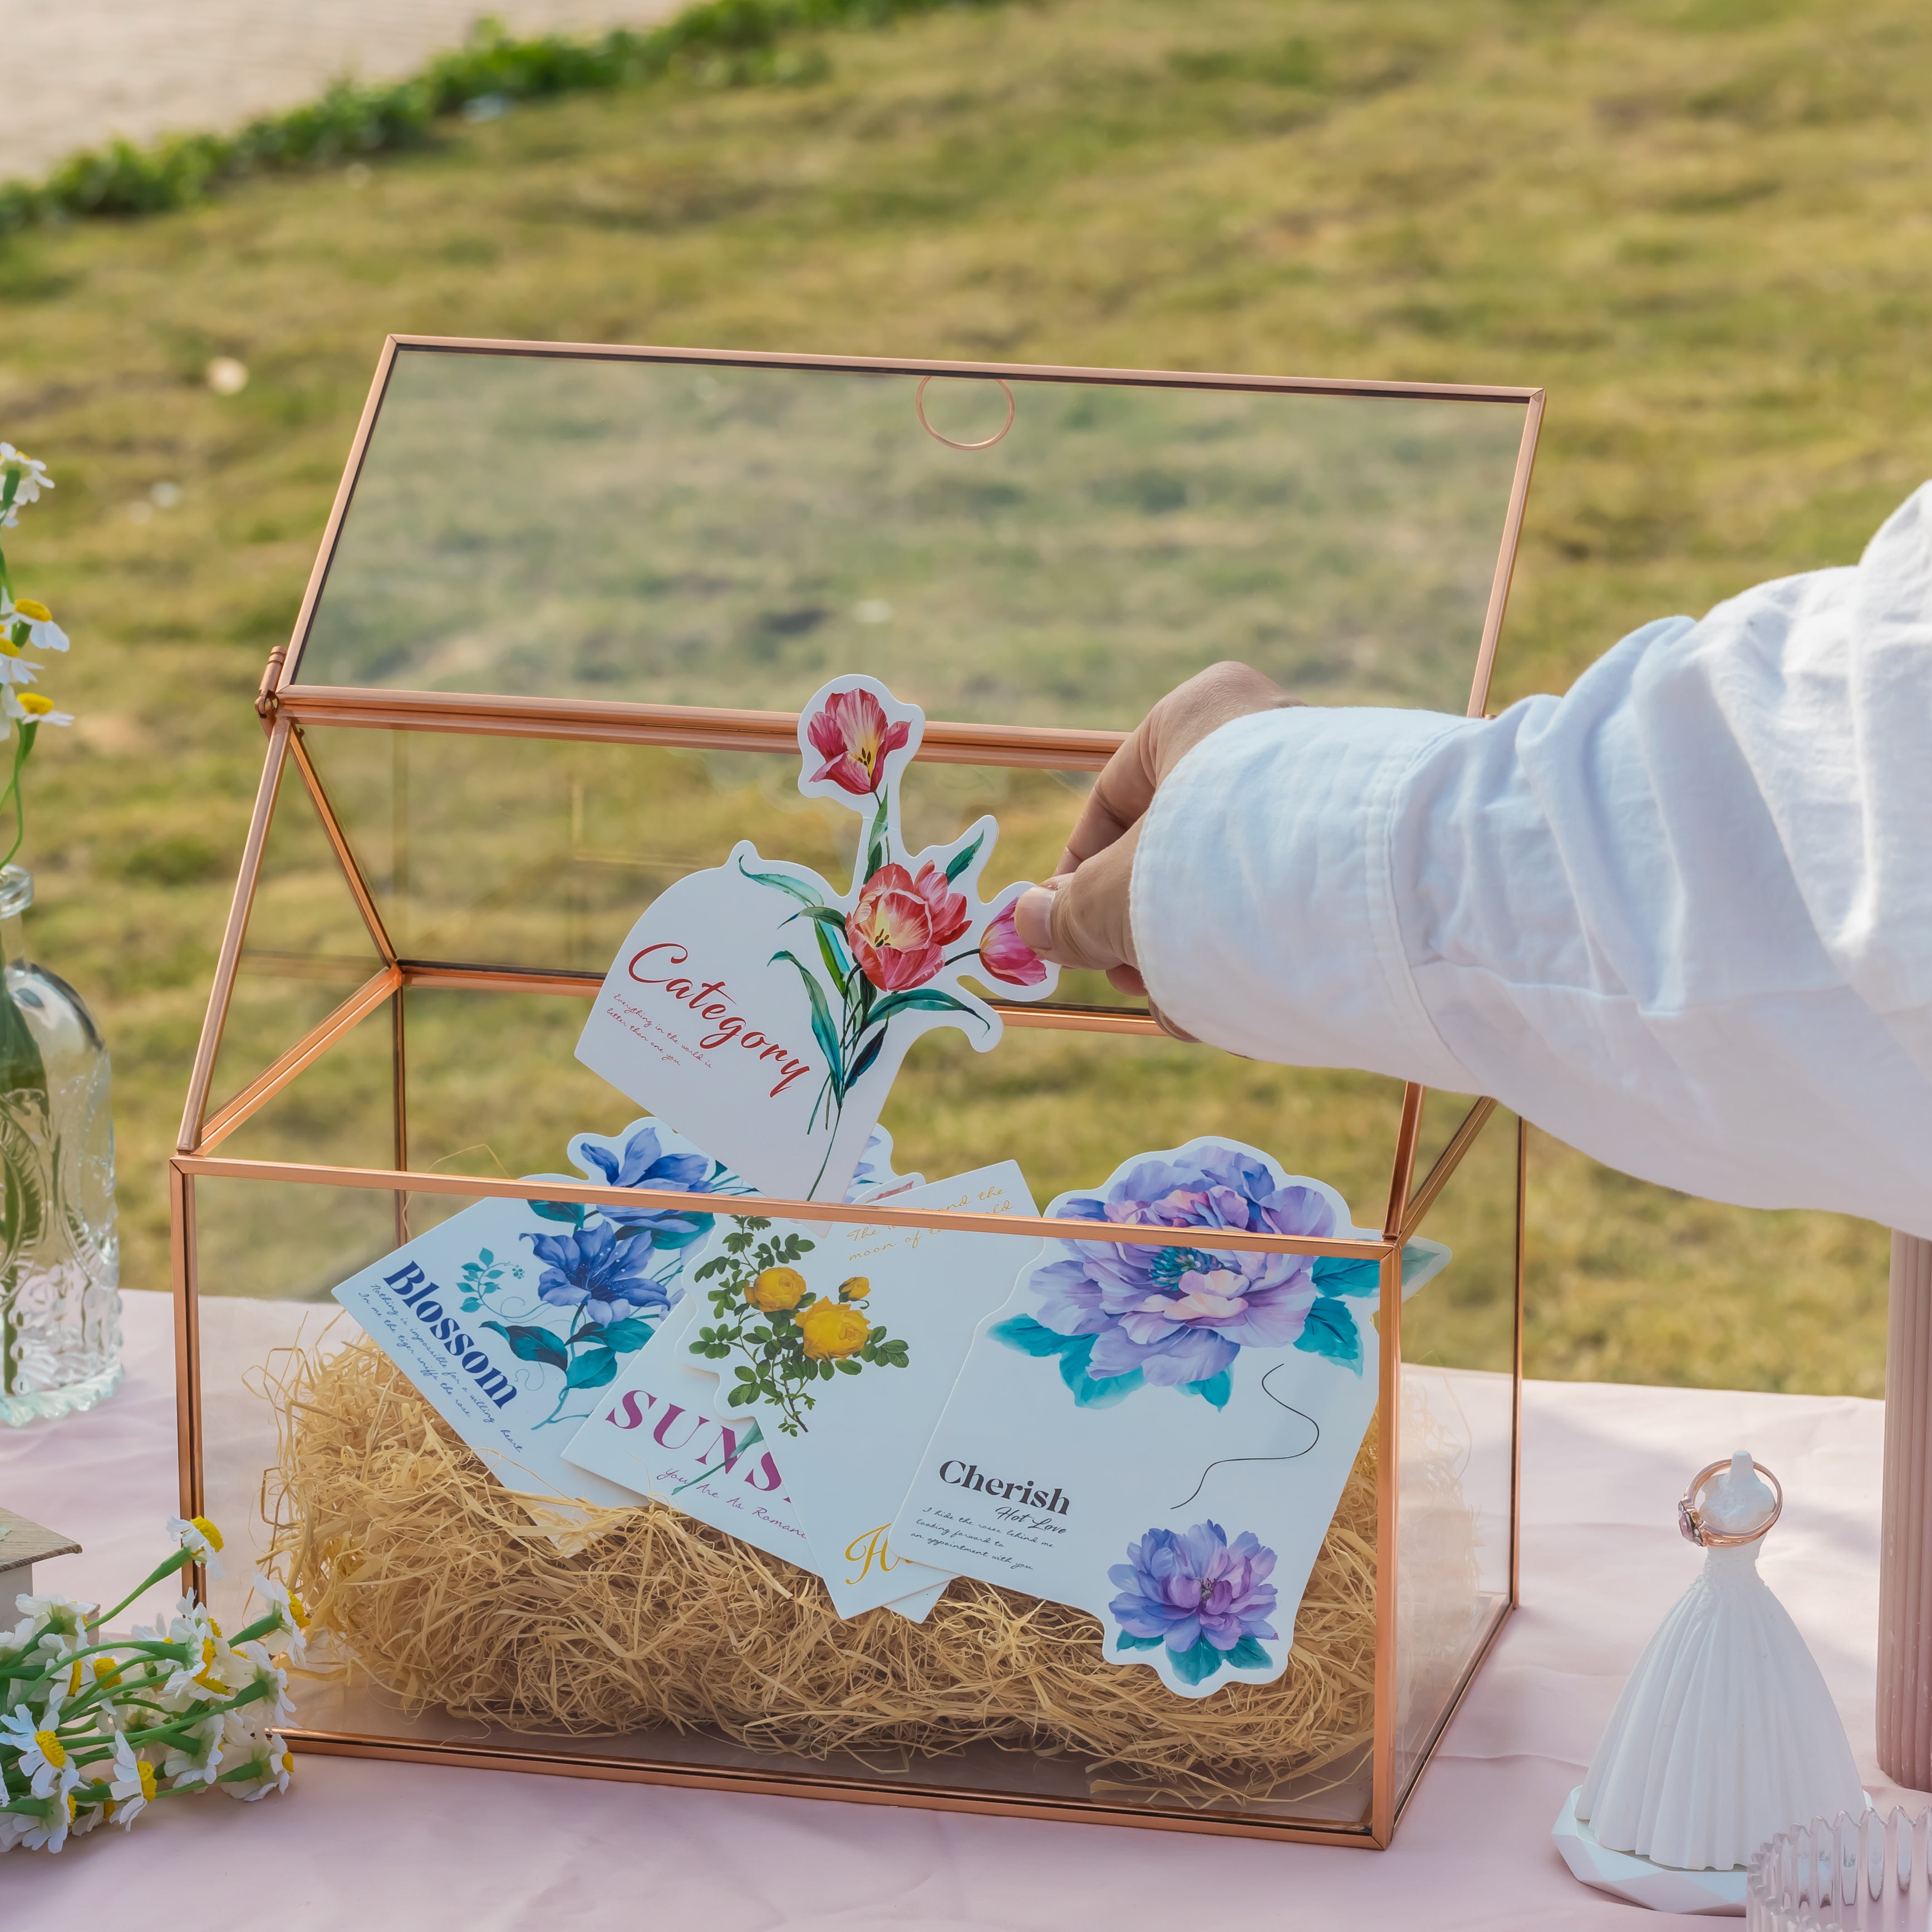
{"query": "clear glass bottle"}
pixel 60 1259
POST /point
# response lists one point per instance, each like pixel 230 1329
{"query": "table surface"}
pixel 1603 1466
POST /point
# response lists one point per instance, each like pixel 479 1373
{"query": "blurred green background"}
pixel 1704 227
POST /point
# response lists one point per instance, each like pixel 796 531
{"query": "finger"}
pixel 1120 796
pixel 1186 715
pixel 1082 920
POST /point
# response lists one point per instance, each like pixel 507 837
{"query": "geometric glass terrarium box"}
pixel 570 603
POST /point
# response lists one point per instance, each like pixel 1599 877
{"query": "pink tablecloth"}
pixel 355 1843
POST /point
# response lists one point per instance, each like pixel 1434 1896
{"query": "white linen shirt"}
pixel 1681 917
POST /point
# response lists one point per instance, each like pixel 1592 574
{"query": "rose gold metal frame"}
pixel 287 707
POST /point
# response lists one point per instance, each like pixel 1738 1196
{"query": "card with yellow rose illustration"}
pixel 766 1013
pixel 843 1343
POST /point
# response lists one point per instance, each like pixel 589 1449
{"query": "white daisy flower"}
pixel 293 1613
pixel 196 1759
pixel 44 1761
pixel 82 1819
pixel 67 1616
pixel 199 1677
pixel 49 1835
pixel 202 1539
pixel 32 477
pixel 131 1785
pixel 278 1764
pixel 29 621
pixel 275 1707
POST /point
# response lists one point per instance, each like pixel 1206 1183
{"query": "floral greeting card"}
pixel 1160 1434
pixel 843 1343
pixel 767 1014
pixel 662 1430
pixel 510 1317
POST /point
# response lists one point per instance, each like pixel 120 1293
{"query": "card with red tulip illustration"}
pixel 1160 1434
pixel 765 1014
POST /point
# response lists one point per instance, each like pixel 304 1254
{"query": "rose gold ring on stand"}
pixel 987 442
pixel 1690 1520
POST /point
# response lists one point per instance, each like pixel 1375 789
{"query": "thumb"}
pixel 1081 919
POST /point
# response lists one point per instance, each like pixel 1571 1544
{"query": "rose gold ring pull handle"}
pixel 985 442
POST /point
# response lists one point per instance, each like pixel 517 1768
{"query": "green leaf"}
pixel 558 1211
pixel 961 859
pixel 483 1255
pixel 797 890
pixel 1197 1665
pixel 822 1030
pixel 1330 1331
pixel 533 1345
pixel 868 1054
pixel 1336 1274
pixel 1248 1654
pixel 828 952
pixel 592 1370
pixel 627 1335
pixel 922 1000
pixel 848 1368
pixel 1215 1390
pixel 1126 1640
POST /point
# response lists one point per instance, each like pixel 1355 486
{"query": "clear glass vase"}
pixel 60 1260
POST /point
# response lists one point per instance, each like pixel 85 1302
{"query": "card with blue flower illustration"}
pixel 512 1317
pixel 767 1013
pixel 1160 1434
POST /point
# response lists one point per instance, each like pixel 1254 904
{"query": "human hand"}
pixel 1079 917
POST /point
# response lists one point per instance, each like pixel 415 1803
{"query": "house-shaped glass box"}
pixel 569 601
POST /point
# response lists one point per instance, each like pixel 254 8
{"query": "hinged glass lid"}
pixel 1006 547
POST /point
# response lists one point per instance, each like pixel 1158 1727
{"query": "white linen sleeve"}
pixel 1681 916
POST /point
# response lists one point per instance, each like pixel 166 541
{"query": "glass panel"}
pixel 307 1428
pixel 1442 1113
pixel 590 527
pixel 282 1240
pixel 306 950
pixel 518 852
pixel 1457 1433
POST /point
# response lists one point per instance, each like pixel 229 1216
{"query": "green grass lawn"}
pixel 1703 226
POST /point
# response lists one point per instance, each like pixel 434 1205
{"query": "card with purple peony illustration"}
pixel 511 1318
pixel 1160 1435
pixel 766 1013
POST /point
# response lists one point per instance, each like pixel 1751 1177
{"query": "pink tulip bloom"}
pixel 902 926
pixel 1007 956
pixel 851 735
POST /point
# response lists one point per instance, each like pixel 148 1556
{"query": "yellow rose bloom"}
pixel 854 1288
pixel 832 1330
pixel 776 1288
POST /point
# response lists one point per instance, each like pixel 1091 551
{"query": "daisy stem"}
pixel 22 746
pixel 178 1561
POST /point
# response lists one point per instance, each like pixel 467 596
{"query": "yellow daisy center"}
pixel 52 1749
pixel 35 705
pixel 32 607
pixel 147 1774
pixel 208 1530
pixel 286 1762
pixel 298 1610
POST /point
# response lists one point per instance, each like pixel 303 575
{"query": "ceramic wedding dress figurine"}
pixel 1726 1733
